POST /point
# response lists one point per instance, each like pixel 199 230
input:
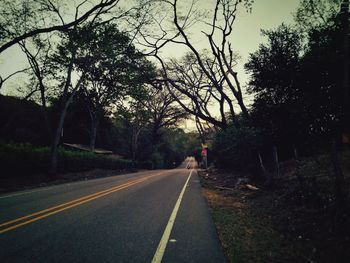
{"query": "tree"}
pixel 3 80
pixel 135 118
pixel 64 62
pixel 237 148
pixel 216 66
pixel 40 73
pixel 302 93
pixel 113 69
pixel 20 121
pixel 20 20
pixel 33 20
pixel 331 87
pixel 275 70
pixel 164 112
pixel 30 22
pixel 198 94
pixel 312 14
pixel 148 129
pixel 323 75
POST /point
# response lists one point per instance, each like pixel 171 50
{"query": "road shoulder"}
pixel 194 237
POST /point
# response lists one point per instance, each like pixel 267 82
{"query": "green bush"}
pixel 236 148
pixel 82 161
pixel 24 159
pixel 157 160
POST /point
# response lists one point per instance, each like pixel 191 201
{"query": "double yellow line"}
pixel 24 220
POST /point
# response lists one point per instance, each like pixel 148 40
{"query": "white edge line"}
pixel 24 193
pixel 158 256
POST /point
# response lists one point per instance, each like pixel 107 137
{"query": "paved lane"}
pixel 114 219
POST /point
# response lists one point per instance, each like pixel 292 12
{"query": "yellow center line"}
pixel 56 209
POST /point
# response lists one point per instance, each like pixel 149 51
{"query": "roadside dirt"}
pixel 279 223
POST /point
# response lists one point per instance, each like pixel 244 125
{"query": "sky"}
pixel 246 36
pixel 266 14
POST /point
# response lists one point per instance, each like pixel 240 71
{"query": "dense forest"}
pixel 299 80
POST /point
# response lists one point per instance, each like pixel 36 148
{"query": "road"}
pixel 150 216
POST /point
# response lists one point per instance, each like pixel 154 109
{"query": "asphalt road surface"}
pixel 151 216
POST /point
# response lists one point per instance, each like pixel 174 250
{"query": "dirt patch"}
pixel 217 199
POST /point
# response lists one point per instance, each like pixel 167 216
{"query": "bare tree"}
pixel 3 80
pixel 40 69
pixel 164 112
pixel 205 130
pixel 187 78
pixel 203 77
pixel 22 20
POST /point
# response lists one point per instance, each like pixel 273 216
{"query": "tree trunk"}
pixel 269 176
pixel 296 155
pixel 66 100
pixel 275 155
pixel 346 66
pixel 262 167
pixel 47 124
pixel 134 146
pixel 93 133
pixel 93 139
pixel 44 110
pixel 155 136
pixel 340 185
pixel 57 136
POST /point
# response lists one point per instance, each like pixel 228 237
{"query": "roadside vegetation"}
pixel 25 165
pixel 293 145
pixel 85 83
pixel 26 160
pixel 291 221
pixel 25 154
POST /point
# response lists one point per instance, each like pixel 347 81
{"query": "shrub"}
pixel 236 148
pixel 24 159
pixel 157 160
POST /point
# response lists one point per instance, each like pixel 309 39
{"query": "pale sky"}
pixel 266 14
pixel 246 36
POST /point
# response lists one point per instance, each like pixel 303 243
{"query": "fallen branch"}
pixel 224 188
pixel 251 187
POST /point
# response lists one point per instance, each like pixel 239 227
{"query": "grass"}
pixel 284 223
pixel 247 237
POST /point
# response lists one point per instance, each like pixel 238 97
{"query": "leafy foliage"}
pixel 298 90
pixel 21 121
pixel 237 148
pixel 278 110
pixel 316 14
pixel 26 160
